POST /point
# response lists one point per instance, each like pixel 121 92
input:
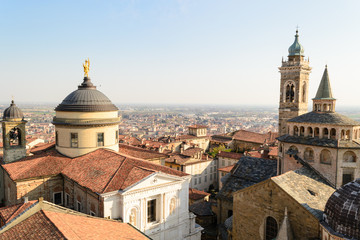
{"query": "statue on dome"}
pixel 86 66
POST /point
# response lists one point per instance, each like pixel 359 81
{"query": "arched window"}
pixel 347 135
pixel 290 93
pixel 271 228
pixel 296 131
pixel 325 157
pixel 349 156
pixel 302 131
pixel 333 133
pixel 316 132
pixel 309 154
pixel 342 134
pixel 325 133
pixel 15 137
pixel 310 131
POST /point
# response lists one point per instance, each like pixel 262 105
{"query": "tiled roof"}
pixel 231 155
pixel 221 138
pixel 227 168
pixel 247 136
pixel 101 170
pixel 192 151
pixel 9 212
pixel 42 147
pixel 48 164
pixel 105 171
pixel 307 188
pixel 273 151
pixel 178 159
pixel 136 152
pixel 37 226
pixel 247 172
pixel 46 224
pixel 331 118
pixel 129 140
pixel 201 209
pixel 185 137
pixel 197 194
pixel 197 126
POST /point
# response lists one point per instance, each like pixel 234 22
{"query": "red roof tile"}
pixel 227 168
pixel 57 225
pixel 231 155
pixel 197 194
pixel 9 212
pixel 273 151
pixel 136 152
pixel 48 164
pixel 192 151
pixel 39 148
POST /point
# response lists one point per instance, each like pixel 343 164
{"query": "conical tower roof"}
pixel 324 90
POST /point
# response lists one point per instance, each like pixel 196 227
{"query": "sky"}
pixel 175 52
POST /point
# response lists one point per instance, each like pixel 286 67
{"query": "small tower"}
pixel 324 101
pixel 294 85
pixel 13 126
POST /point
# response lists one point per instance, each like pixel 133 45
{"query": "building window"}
pixel 205 170
pixel 57 138
pixel 214 176
pixel 78 206
pixel 205 179
pixel 223 163
pixel 100 139
pixel 151 211
pixel 325 157
pixel 195 181
pixel 199 179
pixel 309 154
pixel 116 136
pixel 271 228
pixel 67 199
pixel 57 198
pixel 74 140
pixel 177 168
pixel 211 177
pixel 349 156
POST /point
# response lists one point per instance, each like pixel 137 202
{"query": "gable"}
pixel 153 180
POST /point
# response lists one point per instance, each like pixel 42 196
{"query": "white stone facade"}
pixel 157 206
pixel 204 174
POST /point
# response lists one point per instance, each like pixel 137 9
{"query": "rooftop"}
pixel 332 118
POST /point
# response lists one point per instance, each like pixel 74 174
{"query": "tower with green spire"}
pixel 294 85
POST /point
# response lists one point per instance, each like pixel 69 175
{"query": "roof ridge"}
pixel 113 176
pixel 43 213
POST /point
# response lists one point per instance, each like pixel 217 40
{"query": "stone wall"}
pixel 254 204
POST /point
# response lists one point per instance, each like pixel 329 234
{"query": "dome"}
pixel 296 49
pixel 86 99
pixel 12 112
pixel 342 210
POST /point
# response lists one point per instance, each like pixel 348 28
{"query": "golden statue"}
pixel 86 66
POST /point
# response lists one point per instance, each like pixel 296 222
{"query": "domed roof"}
pixel 342 212
pixel 296 49
pixel 86 99
pixel 12 112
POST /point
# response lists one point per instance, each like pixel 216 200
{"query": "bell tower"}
pixel 13 127
pixel 294 85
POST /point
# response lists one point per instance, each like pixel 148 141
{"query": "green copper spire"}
pixel 324 90
pixel 296 49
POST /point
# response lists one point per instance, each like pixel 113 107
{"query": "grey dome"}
pixel 86 99
pixel 12 112
pixel 342 210
pixel 296 49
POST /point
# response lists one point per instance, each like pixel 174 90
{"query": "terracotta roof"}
pixel 9 212
pixel 129 140
pixel 178 159
pixel 231 155
pixel 273 151
pixel 42 147
pixel 136 152
pixel 48 164
pixel 58 225
pixel 1 144
pixel 105 171
pixel 227 168
pixel 192 151
pixel 185 137
pixel 247 136
pixel 197 194
pixel 254 154
pixel 197 126
pixel 100 171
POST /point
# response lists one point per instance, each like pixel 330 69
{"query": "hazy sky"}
pixel 183 52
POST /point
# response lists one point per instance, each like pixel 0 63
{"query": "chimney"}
pixel 26 199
